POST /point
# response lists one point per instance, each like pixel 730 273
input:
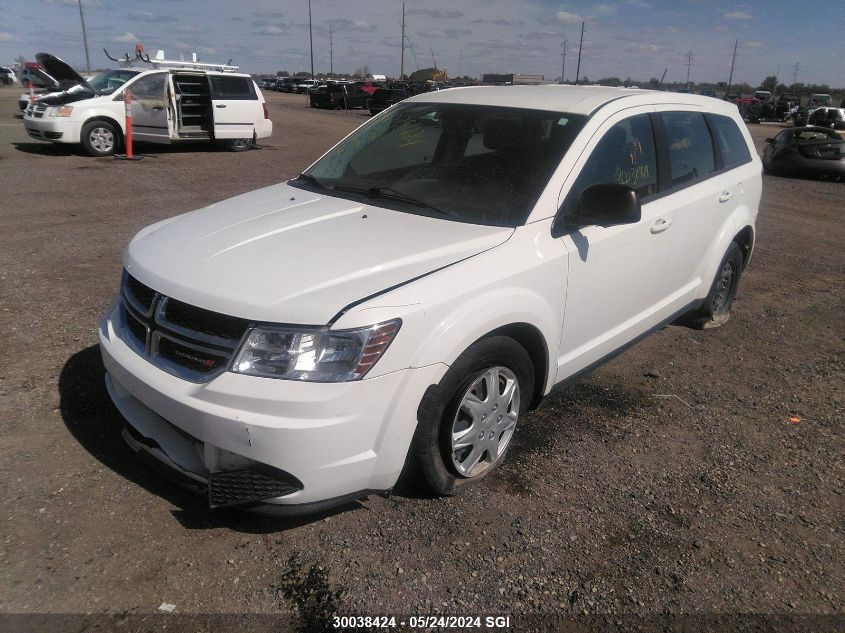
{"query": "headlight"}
pixel 61 111
pixel 314 355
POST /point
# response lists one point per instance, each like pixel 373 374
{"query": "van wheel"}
pixel 240 144
pixel 100 138
pixel 465 423
pixel 716 310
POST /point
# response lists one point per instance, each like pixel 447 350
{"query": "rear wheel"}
pixel 240 144
pixel 465 432
pixel 716 310
pixel 100 138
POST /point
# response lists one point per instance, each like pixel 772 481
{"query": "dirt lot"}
pixel 670 480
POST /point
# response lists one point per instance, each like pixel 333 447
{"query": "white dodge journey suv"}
pixel 401 304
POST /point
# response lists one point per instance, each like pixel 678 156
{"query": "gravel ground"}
pixel 670 480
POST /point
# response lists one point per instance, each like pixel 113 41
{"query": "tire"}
pixel 435 466
pixel 716 310
pixel 240 144
pixel 100 138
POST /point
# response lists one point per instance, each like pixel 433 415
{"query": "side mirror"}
pixel 769 140
pixel 606 205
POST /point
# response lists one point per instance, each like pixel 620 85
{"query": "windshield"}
pixel 109 81
pixel 471 163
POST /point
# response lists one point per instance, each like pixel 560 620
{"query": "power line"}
pixel 733 61
pixel 402 60
pixel 580 46
pixel 563 65
pixel 310 39
pixel 84 39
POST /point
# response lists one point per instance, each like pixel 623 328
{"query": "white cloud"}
pixel 755 45
pixel 435 13
pixel 737 15
pixel 603 9
pixel 7 37
pixel 74 3
pixel 146 16
pixel 125 38
pixel 271 30
pixel 565 17
pixel 642 47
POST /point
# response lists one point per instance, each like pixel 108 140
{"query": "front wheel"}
pixel 465 431
pixel 100 138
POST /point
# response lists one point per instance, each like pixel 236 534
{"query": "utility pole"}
pixel 460 61
pixel 563 65
pixel 795 73
pixel 689 63
pixel 84 39
pixel 580 46
pixel 310 39
pixel 733 60
pixel 402 58
pixel 331 53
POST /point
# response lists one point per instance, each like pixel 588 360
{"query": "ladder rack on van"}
pixel 159 62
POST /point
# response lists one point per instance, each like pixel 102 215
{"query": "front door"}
pixel 615 279
pixel 151 118
pixel 235 106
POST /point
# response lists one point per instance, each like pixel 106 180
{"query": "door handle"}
pixel 220 105
pixel 725 196
pixel 158 107
pixel 661 225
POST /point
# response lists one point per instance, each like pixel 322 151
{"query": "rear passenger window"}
pixel 732 146
pixel 232 88
pixel 691 155
pixel 625 155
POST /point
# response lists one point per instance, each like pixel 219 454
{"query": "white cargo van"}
pixel 169 105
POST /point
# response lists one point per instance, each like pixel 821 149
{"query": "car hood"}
pixel 283 254
pixel 74 94
pixel 62 71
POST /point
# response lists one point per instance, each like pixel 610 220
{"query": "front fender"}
pixel 522 281
pixel 116 114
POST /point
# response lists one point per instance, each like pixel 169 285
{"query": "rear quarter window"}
pixel 232 88
pixel 733 149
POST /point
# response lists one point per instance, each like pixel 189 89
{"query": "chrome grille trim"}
pixel 162 320
pixel 198 346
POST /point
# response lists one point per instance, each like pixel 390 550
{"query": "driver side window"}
pixel 150 87
pixel 625 155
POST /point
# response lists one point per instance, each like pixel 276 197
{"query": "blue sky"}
pixel 636 38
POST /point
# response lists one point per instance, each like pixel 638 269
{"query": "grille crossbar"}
pixel 190 342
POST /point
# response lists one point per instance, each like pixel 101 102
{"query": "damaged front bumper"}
pixel 296 446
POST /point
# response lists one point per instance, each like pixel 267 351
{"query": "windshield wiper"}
pixel 388 193
pixel 310 179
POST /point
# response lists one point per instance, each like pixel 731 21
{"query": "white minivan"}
pixel 168 106
pixel 398 307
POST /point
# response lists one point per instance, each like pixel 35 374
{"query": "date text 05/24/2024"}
pixel 422 621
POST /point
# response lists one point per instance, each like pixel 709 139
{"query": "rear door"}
pixel 235 105
pixel 151 119
pixel 700 191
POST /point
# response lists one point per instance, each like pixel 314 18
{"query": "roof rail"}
pixel 160 62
